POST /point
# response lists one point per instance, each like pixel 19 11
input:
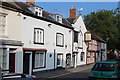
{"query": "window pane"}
pixel 103 67
pixel 75 36
pixel 82 56
pixel 59 59
pixel 36 60
pixel 39 59
pixel 60 39
pixel 38 36
pixel 2 23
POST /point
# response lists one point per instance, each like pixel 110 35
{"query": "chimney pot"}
pixel 72 12
pixel 30 2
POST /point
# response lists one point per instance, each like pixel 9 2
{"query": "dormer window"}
pixel 59 18
pixel 36 13
pixel 39 13
pixel 36 10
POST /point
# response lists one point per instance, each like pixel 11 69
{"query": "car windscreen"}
pixel 103 67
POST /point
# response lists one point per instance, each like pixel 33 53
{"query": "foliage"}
pixel 106 24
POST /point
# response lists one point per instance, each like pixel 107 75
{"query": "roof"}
pixel 73 20
pixel 23 8
pixel 96 37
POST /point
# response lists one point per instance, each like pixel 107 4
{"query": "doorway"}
pixel 26 63
pixel 12 62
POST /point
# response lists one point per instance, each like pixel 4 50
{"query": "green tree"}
pixel 105 23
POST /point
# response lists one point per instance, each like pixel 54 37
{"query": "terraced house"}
pixel 33 39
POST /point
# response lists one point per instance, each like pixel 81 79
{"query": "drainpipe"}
pixel 72 45
pixel 54 59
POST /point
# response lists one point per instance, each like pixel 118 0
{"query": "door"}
pixel 26 63
pixel 73 59
pixel 68 60
pixel 59 60
pixel 12 62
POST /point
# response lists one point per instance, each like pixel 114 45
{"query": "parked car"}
pixel 105 70
pixel 16 76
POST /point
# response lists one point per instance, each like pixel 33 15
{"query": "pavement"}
pixel 61 72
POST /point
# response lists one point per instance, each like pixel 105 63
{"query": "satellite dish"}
pixel 80 9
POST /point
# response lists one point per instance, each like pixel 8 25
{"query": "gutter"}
pixel 14 8
pixel 42 18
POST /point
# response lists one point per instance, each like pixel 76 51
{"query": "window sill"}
pixel 39 43
pixel 39 67
pixel 60 45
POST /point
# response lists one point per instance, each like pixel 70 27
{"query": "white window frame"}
pixel 3 59
pixel 60 39
pixel 2 23
pixel 83 56
pixel 38 60
pixel 38 36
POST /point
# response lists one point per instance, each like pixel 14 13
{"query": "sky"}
pixel 88 6
pixel 63 8
pixel 75 0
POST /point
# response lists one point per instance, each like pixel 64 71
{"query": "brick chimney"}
pixel 30 2
pixel 72 12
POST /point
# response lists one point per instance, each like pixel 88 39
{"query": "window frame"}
pixel 44 59
pixel 61 55
pixel 76 34
pixel 3 60
pixel 82 55
pixel 35 41
pixel 60 45
pixel 3 23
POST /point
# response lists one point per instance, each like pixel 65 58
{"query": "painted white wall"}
pixel 49 39
pixel 13 26
pixel 22 29
pixel 80 26
pixel 13 32
pixel 19 60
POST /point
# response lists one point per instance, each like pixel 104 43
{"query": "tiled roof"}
pixel 73 20
pixel 22 7
pixel 96 37
pixel 70 20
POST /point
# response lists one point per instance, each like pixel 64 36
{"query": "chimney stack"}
pixel 30 2
pixel 72 12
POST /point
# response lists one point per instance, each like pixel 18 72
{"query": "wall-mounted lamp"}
pixel 49 25
pixel 18 14
pixel 87 36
